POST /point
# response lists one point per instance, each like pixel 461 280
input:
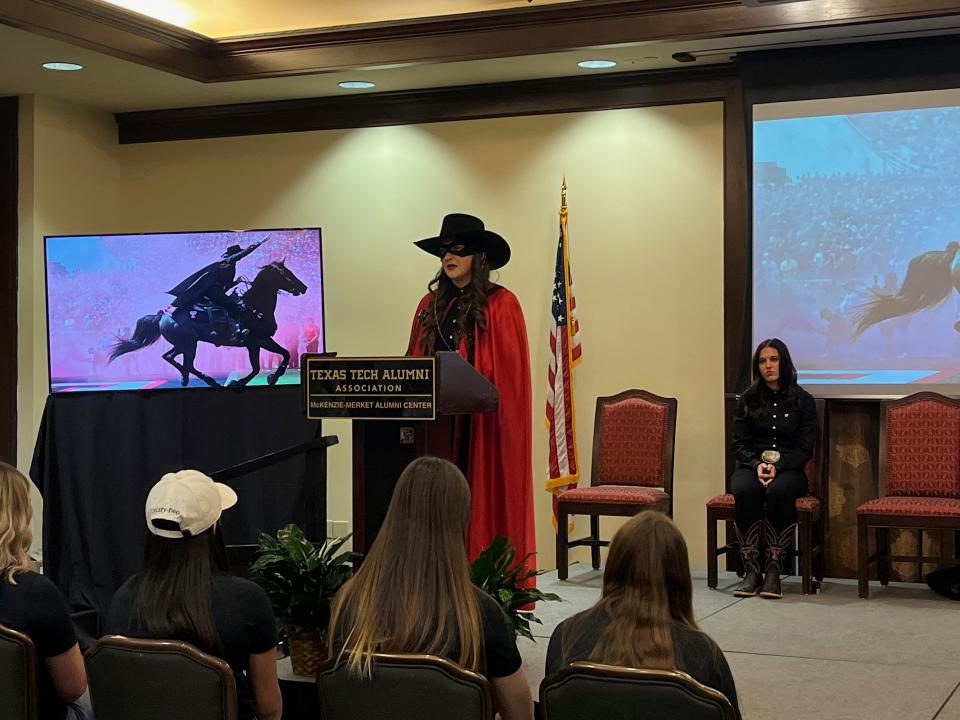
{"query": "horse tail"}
pixel 146 333
pixel 926 285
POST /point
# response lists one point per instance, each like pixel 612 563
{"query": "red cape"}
pixel 501 443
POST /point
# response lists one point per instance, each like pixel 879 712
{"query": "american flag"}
pixel 565 354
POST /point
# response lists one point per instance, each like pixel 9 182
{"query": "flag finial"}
pixel 563 192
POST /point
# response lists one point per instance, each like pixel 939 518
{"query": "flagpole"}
pixel 563 366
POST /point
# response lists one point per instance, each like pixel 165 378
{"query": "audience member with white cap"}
pixel 181 594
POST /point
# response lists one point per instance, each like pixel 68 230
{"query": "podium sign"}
pixel 387 388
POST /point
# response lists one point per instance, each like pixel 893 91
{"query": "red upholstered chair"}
pixel 633 438
pixel 811 516
pixel 919 480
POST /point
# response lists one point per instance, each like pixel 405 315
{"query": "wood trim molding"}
pixel 471 102
pixel 507 33
pixel 9 175
pixel 113 31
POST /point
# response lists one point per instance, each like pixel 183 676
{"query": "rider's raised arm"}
pixel 246 251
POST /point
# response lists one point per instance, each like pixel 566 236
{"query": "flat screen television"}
pixel 187 309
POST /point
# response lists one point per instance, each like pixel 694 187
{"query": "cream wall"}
pixel 645 195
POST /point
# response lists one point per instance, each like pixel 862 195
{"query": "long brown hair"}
pixel 413 591
pixel 646 589
pixel 15 517
pixel 174 597
pixel 473 308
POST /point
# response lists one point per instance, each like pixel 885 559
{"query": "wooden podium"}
pixel 382 448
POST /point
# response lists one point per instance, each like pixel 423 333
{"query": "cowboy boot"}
pixel 750 555
pixel 778 545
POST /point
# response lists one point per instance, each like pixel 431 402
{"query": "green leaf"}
pixel 300 577
pixel 498 572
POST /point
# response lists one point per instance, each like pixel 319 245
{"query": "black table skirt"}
pixel 98 454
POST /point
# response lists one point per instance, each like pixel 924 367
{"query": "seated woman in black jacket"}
pixel 645 617
pixel 774 432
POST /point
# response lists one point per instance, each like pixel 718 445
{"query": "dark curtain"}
pixel 98 454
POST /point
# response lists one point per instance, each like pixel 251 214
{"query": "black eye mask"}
pixel 459 249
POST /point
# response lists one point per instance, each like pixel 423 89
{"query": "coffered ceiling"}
pixel 242 51
pixel 231 18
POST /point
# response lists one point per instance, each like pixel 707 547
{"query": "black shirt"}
pixel 451 330
pixel 34 606
pixel 790 428
pixel 501 657
pixel 242 615
pixel 693 652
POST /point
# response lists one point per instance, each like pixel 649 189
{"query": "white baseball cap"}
pixel 190 500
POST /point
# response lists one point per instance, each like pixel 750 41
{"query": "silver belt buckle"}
pixel 770 456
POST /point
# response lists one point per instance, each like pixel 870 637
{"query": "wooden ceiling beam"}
pixel 507 33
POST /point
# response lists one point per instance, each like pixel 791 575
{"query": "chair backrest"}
pixel 404 687
pixel 633 439
pixel 920 446
pixel 136 679
pixel 18 676
pixel 588 690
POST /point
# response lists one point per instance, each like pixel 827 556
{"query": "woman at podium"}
pixel 464 312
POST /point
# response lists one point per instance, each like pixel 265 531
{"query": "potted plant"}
pixel 301 578
pixel 498 572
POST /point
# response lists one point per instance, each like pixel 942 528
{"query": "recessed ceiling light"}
pixel 356 84
pixel 596 64
pixel 62 66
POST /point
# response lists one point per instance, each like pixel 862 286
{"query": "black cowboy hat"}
pixel 469 230
pixel 232 250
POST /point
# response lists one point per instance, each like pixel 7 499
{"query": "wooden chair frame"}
pixel 883 523
pixel 175 647
pixel 666 677
pixel 31 699
pixel 595 510
pixel 811 524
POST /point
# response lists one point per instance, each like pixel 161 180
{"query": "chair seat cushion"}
pixel 805 504
pixel 616 494
pixel 894 505
pixel 721 501
pixel 808 503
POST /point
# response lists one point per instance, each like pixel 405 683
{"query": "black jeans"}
pixel 777 502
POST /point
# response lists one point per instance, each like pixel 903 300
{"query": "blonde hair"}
pixel 413 592
pixel 15 517
pixel 646 589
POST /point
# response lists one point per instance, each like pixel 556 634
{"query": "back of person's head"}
pixel 15 517
pixel 646 589
pixel 175 589
pixel 413 592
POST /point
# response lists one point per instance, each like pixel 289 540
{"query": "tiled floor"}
pixel 828 656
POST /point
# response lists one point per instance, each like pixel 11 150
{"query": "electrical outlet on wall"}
pixel 337 528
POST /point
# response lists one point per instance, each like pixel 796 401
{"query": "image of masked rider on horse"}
pixel 210 285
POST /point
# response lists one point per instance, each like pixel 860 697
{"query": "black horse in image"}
pixel 185 327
